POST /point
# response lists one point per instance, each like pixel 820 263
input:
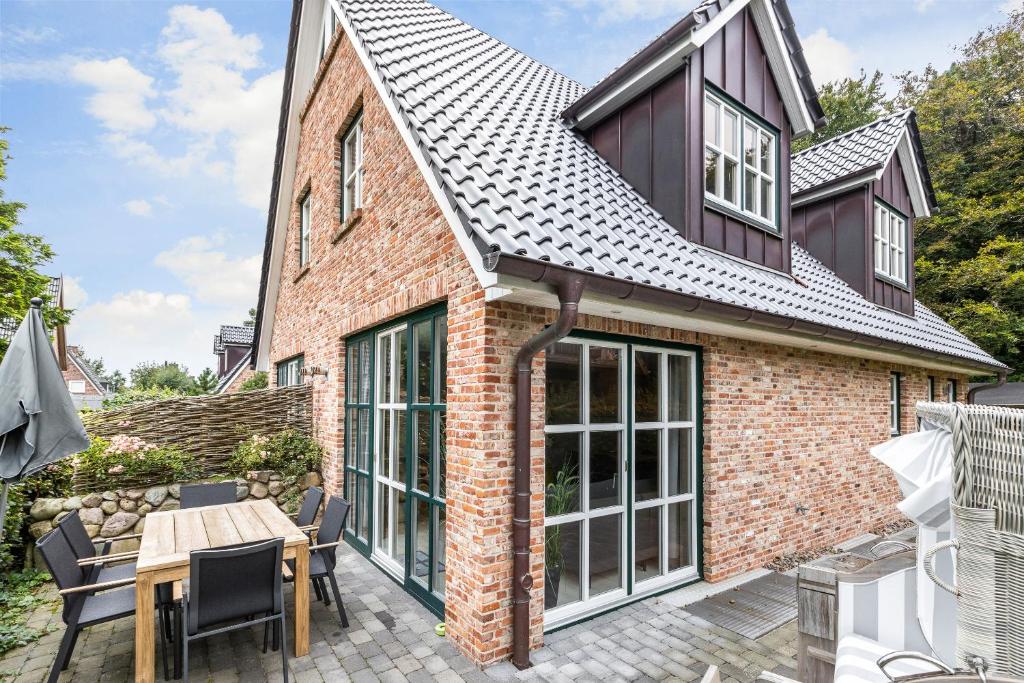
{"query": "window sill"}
pixel 350 222
pixel 892 281
pixel 301 274
pixel 738 215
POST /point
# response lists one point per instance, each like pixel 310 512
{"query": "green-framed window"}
pixel 289 371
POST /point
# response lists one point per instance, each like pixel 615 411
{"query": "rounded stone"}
pixel 73 503
pixel 259 490
pixel 93 516
pixel 92 529
pixel 109 495
pixel 38 529
pixel 128 505
pixel 156 495
pixel 135 494
pixel 92 500
pixel 118 523
pixel 174 491
pixel 170 505
pixel 310 479
pixel 144 509
pixel 46 508
pixel 275 488
pixel 60 516
pixel 241 492
pixel 108 506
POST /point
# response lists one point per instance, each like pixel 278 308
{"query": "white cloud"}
pixel 74 295
pixel 211 274
pixel 618 11
pixel 54 69
pixel 923 5
pixel 25 35
pixel 828 58
pixel 121 93
pixel 138 207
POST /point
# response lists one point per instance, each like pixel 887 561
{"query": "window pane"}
pixel 605 469
pixel 647 543
pixel 562 564
pixel 679 532
pixel 562 367
pixel 605 554
pixel 440 534
pixel 750 191
pixel 710 171
pixel 729 182
pixel 711 122
pixel 364 372
pixel 384 390
pixel 679 462
pixel 352 375
pixel 402 445
pixel 421 541
pixel 384 466
pixel 421 477
pixel 646 482
pixel 400 527
pixel 766 199
pixel 402 362
pixel 424 346
pixel 604 384
pixel 441 366
pixel 678 388
pixel 730 133
pixel 362 491
pixel 766 154
pixel 646 395
pixel 351 437
pixel 350 490
pixel 749 145
pixel 442 454
pixel 350 196
pixel 384 517
pixel 561 474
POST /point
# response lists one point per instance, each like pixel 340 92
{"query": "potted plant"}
pixel 560 497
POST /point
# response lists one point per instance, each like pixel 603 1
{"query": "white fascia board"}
pixel 781 64
pixel 832 190
pixel 473 255
pixel 912 175
pixel 537 294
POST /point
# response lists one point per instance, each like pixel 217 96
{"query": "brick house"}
pixel 86 387
pixel 573 347
pixel 233 348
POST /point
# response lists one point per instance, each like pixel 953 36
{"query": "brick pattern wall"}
pixel 781 426
pixel 236 384
pixel 74 374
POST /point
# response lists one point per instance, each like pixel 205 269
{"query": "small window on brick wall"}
pixel 951 390
pixel 289 372
pixel 352 169
pixel 894 403
pixel 305 217
pixel 76 386
pixel 931 388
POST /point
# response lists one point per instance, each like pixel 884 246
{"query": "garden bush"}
pixel 18 597
pixel 53 481
pixel 130 459
pixel 289 452
pixel 129 397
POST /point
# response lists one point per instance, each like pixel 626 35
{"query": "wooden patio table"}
pixel 168 538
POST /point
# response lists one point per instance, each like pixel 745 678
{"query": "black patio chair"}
pixel 322 558
pixel 310 506
pixel 198 495
pixel 92 561
pixel 84 603
pixel 215 595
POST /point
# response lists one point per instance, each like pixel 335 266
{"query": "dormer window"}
pixel 890 243
pixel 740 162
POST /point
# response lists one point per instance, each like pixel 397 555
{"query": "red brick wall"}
pixel 237 382
pixel 781 426
pixel 74 374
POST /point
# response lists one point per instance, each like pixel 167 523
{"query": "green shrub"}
pixel 53 481
pixel 129 458
pixel 18 597
pixel 287 452
pixel 130 397
pixel 257 381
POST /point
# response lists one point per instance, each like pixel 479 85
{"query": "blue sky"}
pixel 143 132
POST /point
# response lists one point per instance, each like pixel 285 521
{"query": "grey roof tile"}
pixel 232 334
pixel 487 118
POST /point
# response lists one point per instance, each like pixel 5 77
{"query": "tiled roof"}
pixel 86 369
pixel 8 326
pixel 231 374
pixel 486 116
pixel 849 154
pixel 232 334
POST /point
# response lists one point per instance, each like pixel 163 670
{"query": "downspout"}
pixel 570 290
pixel 1000 381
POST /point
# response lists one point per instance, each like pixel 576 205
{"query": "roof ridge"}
pixel 850 132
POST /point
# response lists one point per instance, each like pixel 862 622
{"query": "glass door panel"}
pixel 358 410
pixel 389 491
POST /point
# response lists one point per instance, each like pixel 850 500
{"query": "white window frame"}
pixel 388 399
pixel 890 232
pixel 745 125
pixel 328 25
pixel 292 370
pixel 305 218
pixel 951 390
pixel 352 170
pixel 76 386
pixel 894 403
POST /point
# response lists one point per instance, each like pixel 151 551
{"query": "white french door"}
pixel 390 450
pixel 620 473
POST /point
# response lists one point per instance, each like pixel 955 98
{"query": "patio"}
pixel 391 638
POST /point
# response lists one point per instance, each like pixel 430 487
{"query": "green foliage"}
pixel 206 381
pixel 287 452
pixel 125 458
pixel 251 320
pixel 128 397
pixel 848 104
pixel 257 381
pixel 53 481
pixel 116 381
pixel 21 255
pixel 19 595
pixel 162 376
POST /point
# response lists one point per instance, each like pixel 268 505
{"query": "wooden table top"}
pixel 169 537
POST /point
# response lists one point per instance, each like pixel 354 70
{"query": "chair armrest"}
pixel 103 559
pixel 309 527
pixel 323 546
pixel 93 587
pixel 126 537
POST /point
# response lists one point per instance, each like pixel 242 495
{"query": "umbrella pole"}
pixel 3 508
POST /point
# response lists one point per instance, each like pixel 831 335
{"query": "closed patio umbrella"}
pixel 38 422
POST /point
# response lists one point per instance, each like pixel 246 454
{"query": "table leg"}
pixel 301 600
pixel 145 659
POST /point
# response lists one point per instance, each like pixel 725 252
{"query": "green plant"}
pixel 19 595
pixel 206 381
pixel 53 481
pixel 287 452
pixel 128 458
pixel 132 396
pixel 257 381
pixel 560 497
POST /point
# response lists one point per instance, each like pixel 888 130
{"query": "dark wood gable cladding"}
pixel 657 143
pixel 839 232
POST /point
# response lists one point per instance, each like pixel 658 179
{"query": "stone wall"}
pixel 108 514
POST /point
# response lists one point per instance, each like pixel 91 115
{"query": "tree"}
pixel 95 363
pixel 21 255
pixel 251 320
pixel 162 376
pixel 257 381
pixel 848 104
pixel 116 381
pixel 206 381
pixel 970 255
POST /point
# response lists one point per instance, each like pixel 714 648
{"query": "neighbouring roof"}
pixel 233 373
pixel 237 335
pixel 86 369
pixel 8 326
pixel 487 119
pixel 1010 394
pixel 857 152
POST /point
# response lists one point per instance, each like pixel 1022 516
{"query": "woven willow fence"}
pixel 207 427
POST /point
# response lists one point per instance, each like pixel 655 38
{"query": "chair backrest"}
pixel 331 526
pixel 310 506
pixel 216 593
pixel 198 495
pixel 62 562
pixel 77 536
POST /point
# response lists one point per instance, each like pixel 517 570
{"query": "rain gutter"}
pixel 1000 381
